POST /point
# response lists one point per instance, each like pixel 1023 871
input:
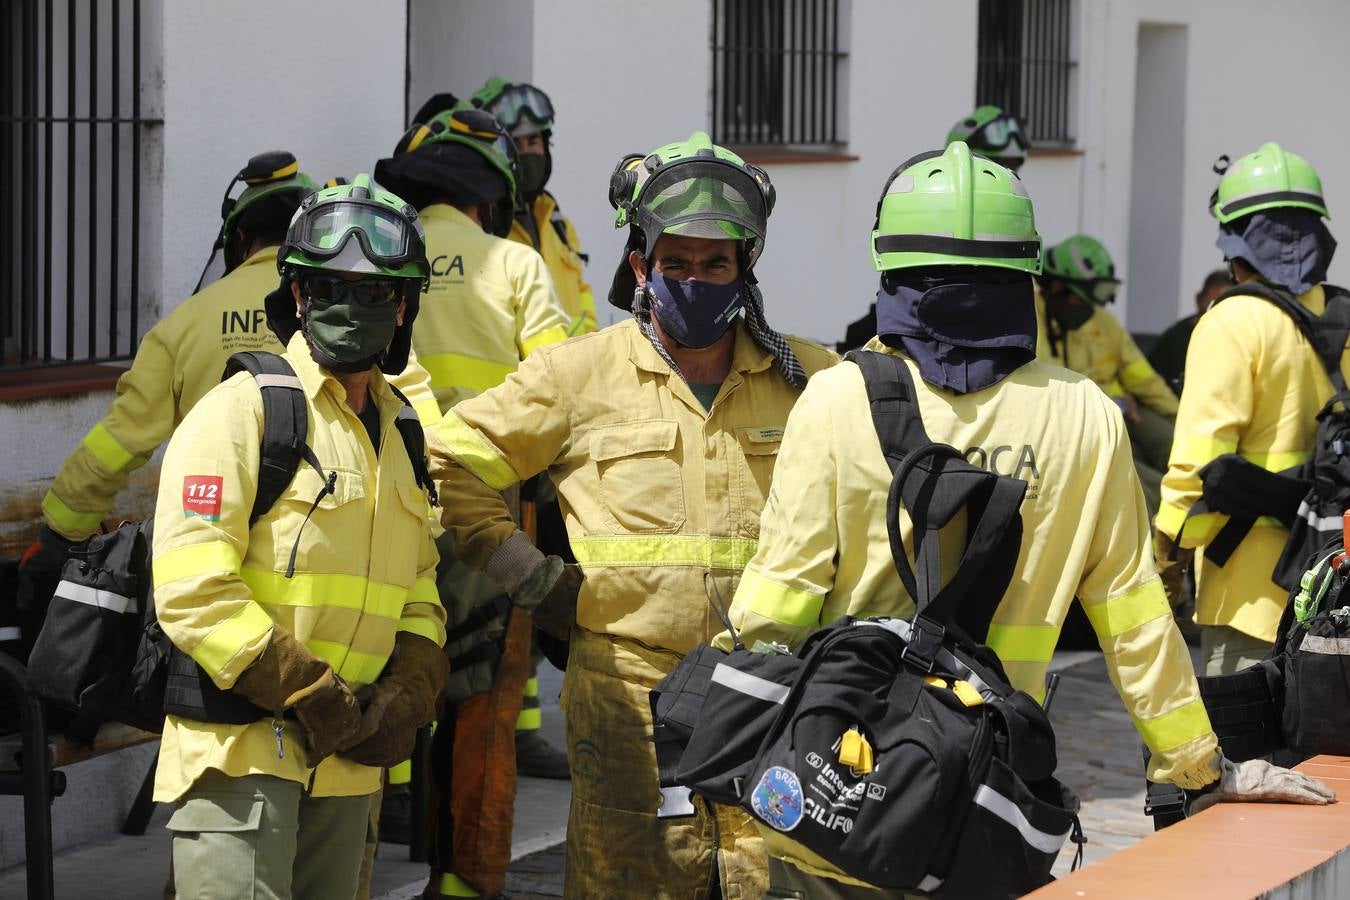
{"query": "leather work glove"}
pixel 287 676
pixel 557 612
pixel 403 700
pixel 40 569
pixel 1172 566
pixel 531 590
pixel 1257 781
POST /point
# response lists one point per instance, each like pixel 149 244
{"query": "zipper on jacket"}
pixel 276 729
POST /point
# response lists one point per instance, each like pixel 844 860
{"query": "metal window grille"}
pixel 1024 64
pixel 776 68
pixel 70 180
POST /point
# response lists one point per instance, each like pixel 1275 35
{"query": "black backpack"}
pixel 101 652
pixel 1309 498
pixel 894 750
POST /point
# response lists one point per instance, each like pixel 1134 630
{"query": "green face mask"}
pixel 533 173
pixel 350 328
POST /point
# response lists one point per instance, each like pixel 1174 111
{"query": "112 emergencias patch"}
pixel 201 496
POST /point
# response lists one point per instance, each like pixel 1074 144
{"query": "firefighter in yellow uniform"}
pixel 491 304
pixel 1075 331
pixel 182 357
pixel 661 434
pixel 527 113
pixel 320 617
pixel 1254 386
pixel 963 319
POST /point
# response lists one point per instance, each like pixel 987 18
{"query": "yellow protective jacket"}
pixel 178 361
pixel 556 240
pixel 824 551
pixel 365 566
pixel 1254 386
pixel 1104 351
pixel 490 305
pixel 656 492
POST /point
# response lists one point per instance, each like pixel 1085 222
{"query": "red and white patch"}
pixel 201 496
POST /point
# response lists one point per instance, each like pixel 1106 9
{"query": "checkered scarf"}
pixel 770 341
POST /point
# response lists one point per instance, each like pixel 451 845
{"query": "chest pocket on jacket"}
pixel 759 451
pixel 640 482
pixel 320 543
pixel 404 536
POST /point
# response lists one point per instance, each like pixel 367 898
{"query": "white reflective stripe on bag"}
pixel 9 633
pixel 1007 810
pixel 1327 646
pixel 751 685
pixel 82 593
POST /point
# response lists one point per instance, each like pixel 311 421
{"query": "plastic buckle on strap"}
pixel 675 802
pixel 925 641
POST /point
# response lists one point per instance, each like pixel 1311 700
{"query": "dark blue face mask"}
pixel 694 313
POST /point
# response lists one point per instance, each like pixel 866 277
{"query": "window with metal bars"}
pixel 776 72
pixel 1024 64
pixel 72 156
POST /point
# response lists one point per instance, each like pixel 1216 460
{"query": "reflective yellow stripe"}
pixel 476 453
pixel 194 560
pixel 664 550
pixel 1028 643
pixel 422 627
pixel 1137 373
pixel 1274 462
pixel 531 687
pixel 1113 389
pixel 107 451
pixel 71 523
pixel 1200 448
pixel 401 773
pixel 1169 519
pixel 530 719
pixel 1180 726
pixel 363 668
pixel 223 643
pixel 340 591
pixel 454 886
pixel 423 591
pixel 1142 603
pixel 428 412
pixel 775 600
pixel 455 371
pixel 546 338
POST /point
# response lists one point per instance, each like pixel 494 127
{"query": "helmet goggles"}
pixel 702 197
pixel 326 288
pixel 521 103
pixel 998 136
pixel 386 238
pixel 1097 290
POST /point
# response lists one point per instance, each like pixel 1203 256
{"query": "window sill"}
pixel 1053 152
pixel 57 381
pixel 777 156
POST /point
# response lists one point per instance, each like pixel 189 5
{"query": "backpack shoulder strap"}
pixel 285 423
pixel 1326 333
pixel 894 405
pixel 415 443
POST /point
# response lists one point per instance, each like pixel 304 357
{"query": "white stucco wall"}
pixel 321 78
pixel 455 46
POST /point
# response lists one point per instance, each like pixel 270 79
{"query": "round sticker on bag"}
pixel 777 798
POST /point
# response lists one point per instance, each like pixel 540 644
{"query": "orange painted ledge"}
pixel 1231 850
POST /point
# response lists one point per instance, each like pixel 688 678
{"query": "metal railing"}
pixel 776 68
pixel 71 134
pixel 1024 64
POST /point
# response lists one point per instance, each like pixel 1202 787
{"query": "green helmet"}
pixel 951 208
pixel 993 134
pixel 521 108
pixel 1085 266
pixel 1269 178
pixel 357 227
pixel 693 188
pixel 273 189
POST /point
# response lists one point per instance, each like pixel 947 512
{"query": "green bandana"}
pixel 346 334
